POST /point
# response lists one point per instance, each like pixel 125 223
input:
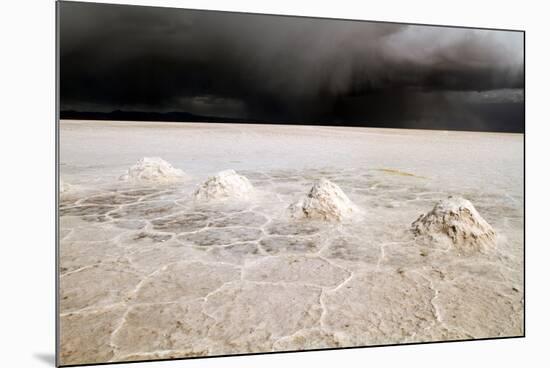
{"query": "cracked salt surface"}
pixel 148 272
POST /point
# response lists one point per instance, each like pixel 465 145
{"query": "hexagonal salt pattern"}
pixel 147 272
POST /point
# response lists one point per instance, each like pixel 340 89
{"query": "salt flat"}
pixel 147 271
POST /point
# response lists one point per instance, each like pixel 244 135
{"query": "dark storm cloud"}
pixel 286 69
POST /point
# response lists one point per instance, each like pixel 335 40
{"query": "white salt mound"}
pixel 224 185
pixel 152 169
pixel 455 218
pixel 325 201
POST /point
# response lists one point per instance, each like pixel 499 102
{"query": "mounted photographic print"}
pixel 235 183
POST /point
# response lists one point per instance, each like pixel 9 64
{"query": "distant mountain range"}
pixel 489 118
pixel 174 116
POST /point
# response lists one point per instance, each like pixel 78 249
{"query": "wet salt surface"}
pixel 148 273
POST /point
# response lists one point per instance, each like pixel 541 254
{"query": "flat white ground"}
pixel 147 272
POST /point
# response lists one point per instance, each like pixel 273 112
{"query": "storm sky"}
pixel 277 69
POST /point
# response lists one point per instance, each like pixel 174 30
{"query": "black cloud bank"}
pixel 139 62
